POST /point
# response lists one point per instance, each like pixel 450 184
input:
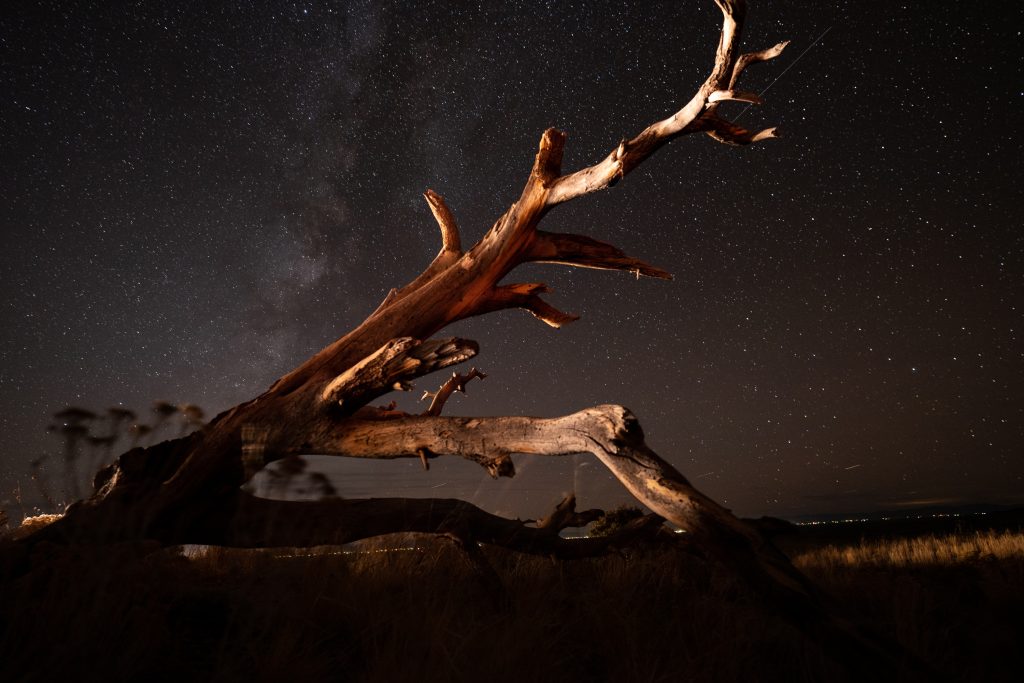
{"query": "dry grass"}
pixel 438 614
pixel 926 551
pixel 955 598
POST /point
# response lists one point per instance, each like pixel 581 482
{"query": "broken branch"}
pixel 629 154
pixel 586 252
pixel 450 242
pixel 525 296
pixel 729 133
pixel 455 383
pixel 734 96
pixel 391 367
pixel 749 58
pixel 565 516
pixel 262 523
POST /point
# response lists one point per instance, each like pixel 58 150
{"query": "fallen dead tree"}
pixel 190 490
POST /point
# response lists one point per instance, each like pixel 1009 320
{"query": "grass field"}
pixel 435 613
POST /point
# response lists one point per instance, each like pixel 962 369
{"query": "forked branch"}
pixel 524 295
pixel 459 284
pixel 454 383
pixel 719 86
pixel 749 58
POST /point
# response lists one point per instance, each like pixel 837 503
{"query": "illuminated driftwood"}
pixel 455 383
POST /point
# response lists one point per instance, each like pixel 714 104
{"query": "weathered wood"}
pixel 611 433
pixel 454 383
pixel 173 486
pixel 173 490
pixel 565 516
pixel 263 523
pixel 391 367
pixel 188 491
pixel 749 58
pixel 585 252
pixel 524 295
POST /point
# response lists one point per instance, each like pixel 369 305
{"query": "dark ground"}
pixel 649 614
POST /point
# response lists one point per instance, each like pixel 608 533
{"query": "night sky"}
pixel 197 196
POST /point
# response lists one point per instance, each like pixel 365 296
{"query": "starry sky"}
pixel 197 196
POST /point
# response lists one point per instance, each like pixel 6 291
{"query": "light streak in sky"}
pixel 808 49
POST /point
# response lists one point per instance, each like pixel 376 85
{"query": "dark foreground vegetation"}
pixel 440 613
